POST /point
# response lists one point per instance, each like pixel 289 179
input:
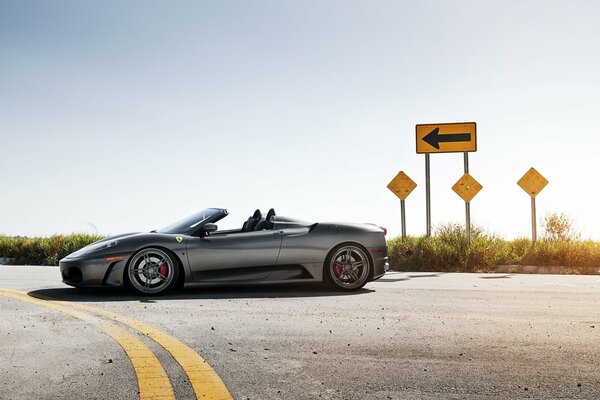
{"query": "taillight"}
pixel 384 230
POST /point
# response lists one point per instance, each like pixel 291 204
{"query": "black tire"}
pixel 152 271
pixel 348 267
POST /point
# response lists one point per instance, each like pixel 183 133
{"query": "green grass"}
pixel 447 250
pixel 43 251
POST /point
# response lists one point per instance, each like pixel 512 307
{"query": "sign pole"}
pixel 403 217
pixel 467 188
pixel 427 194
pixel 533 182
pixel 533 222
pixel 402 186
pixel 467 204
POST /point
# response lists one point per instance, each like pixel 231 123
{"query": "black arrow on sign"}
pixel 434 138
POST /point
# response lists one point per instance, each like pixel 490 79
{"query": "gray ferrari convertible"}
pixel 266 249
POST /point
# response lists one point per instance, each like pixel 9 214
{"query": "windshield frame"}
pixel 193 224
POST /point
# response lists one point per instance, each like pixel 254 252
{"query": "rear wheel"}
pixel 152 271
pixel 348 267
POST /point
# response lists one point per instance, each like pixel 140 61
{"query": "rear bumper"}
pixel 91 273
pixel 380 261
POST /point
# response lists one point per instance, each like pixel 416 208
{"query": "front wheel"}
pixel 152 271
pixel 348 267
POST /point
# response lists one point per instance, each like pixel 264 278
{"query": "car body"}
pixel 267 249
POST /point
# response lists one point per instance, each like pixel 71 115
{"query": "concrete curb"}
pixel 553 270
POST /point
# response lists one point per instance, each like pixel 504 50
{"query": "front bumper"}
pixel 92 272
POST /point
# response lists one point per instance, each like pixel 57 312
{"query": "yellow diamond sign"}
pixel 467 187
pixel 532 182
pixel 402 185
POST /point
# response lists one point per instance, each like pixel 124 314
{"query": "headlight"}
pixel 94 247
pixel 101 246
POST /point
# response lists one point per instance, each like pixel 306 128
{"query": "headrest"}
pixel 250 224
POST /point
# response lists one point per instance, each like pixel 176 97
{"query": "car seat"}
pixel 266 223
pixel 251 223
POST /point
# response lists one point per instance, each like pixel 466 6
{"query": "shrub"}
pixel 447 250
pixel 559 227
pixel 43 251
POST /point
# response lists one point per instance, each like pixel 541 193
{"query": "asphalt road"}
pixel 406 336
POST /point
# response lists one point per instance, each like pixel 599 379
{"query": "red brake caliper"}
pixel 337 269
pixel 163 270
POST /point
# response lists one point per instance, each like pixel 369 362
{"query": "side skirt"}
pixel 276 273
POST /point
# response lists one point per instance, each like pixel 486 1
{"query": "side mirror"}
pixel 208 228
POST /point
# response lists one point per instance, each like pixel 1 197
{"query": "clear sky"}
pixel 124 116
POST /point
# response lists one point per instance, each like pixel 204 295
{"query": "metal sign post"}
pixel 427 195
pixel 467 204
pixel 533 222
pixel 402 186
pixel 467 188
pixel 533 182
pixel 403 218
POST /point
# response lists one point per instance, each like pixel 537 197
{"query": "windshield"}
pixel 192 222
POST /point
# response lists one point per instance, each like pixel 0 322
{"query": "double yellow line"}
pixel 152 378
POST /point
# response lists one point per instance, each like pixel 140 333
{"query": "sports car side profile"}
pixel 266 249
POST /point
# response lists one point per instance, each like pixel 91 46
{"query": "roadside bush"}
pixel 401 252
pixel 447 250
pixel 559 227
pixel 43 251
pixel 569 253
pixel 519 251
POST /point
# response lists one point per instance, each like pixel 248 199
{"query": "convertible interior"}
pixel 254 223
pixel 257 223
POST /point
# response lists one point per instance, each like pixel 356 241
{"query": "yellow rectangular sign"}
pixel 446 137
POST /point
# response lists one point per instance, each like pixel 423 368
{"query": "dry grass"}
pixel 447 250
pixel 43 251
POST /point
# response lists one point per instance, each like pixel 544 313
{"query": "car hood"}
pixel 99 243
pixel 114 237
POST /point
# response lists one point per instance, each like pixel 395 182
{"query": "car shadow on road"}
pixel 389 277
pixel 496 277
pixel 195 293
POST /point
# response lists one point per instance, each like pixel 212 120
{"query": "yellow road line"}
pixel 153 382
pixel 205 382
